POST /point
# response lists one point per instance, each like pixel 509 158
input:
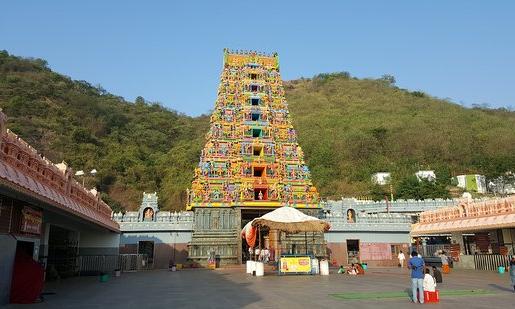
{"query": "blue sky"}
pixel 171 52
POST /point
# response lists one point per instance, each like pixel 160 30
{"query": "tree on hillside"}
pixel 139 100
pixel 379 193
pixel 413 188
pixel 500 184
pixel 115 205
pixel 389 79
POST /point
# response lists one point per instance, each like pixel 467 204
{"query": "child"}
pixel 341 270
pixel 429 282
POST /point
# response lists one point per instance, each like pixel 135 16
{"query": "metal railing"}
pixel 431 250
pixel 98 263
pixel 491 261
pixel 61 267
pixel 94 264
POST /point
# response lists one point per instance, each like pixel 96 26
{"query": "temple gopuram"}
pixel 251 162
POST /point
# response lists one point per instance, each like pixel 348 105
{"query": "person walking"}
pixel 401 258
pixel 512 272
pixel 416 265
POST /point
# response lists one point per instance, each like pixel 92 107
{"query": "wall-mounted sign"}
pixel 31 221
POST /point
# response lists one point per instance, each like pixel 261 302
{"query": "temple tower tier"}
pixel 251 159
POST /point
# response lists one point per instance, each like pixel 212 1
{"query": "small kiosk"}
pixel 291 221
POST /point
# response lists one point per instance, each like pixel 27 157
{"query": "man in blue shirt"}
pixel 416 265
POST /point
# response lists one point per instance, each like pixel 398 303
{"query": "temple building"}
pixel 481 232
pixel 251 162
pixel 46 215
pixel 162 236
pixel 369 231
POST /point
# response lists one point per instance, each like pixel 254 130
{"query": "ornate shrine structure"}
pixel 251 162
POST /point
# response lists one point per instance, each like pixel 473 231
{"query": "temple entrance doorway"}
pixel 25 248
pixel 63 251
pixel 147 248
pixel 262 240
pixel 352 251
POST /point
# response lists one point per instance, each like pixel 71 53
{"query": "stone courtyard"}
pixel 232 288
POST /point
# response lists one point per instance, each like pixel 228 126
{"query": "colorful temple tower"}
pixel 251 159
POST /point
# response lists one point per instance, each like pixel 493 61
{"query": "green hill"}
pixel 351 128
pixel 135 147
pixel 348 128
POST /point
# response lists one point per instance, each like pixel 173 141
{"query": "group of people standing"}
pixel 421 279
pixel 262 255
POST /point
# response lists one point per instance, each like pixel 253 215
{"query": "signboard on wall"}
pixel 295 264
pixel 31 221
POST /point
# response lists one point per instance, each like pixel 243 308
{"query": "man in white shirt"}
pixel 401 258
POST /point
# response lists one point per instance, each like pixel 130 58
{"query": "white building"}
pixel 476 183
pixel 427 175
pixel 381 178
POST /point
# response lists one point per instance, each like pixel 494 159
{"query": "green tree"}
pixel 139 100
pixel 115 205
pixel 413 188
pixel 389 79
pixel 379 193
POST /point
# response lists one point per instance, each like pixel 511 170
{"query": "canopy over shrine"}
pixel 251 157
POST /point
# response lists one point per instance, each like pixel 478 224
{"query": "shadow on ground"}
pixel 499 287
pixel 151 289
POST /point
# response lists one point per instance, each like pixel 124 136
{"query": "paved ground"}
pixel 232 288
